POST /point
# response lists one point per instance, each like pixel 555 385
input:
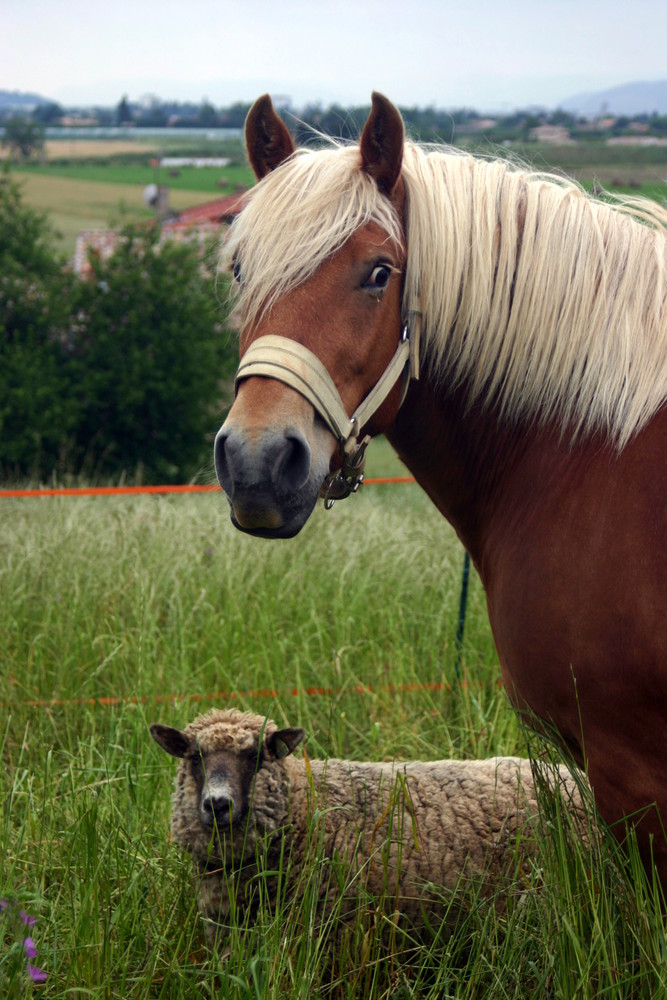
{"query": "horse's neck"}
pixel 472 467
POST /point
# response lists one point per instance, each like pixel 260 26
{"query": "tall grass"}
pixel 158 606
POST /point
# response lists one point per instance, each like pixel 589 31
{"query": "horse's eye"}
pixel 378 279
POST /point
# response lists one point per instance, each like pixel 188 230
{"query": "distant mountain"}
pixel 629 99
pixel 16 100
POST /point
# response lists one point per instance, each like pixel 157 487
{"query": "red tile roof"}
pixel 209 213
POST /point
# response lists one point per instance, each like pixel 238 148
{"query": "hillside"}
pixel 629 99
pixel 16 100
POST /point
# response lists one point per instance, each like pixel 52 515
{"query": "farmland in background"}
pixel 620 169
pixel 89 184
pixel 94 183
pixel 75 205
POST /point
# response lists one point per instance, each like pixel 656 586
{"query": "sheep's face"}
pixel 224 757
pixel 222 781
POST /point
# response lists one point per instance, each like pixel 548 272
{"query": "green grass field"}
pixel 214 181
pixel 117 612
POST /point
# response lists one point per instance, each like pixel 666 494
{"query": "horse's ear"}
pixel 266 137
pixel 382 144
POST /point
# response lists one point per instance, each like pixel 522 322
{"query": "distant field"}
pixel 214 180
pixel 77 205
pixel 620 169
pixel 84 186
pixel 57 148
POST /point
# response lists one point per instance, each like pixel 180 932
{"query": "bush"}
pixel 35 291
pixel 23 137
pixel 152 352
pixel 124 373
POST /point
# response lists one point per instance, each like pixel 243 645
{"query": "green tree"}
pixel 154 359
pixel 560 117
pixel 123 111
pixel 24 137
pixel 658 124
pixel 36 418
pixel 126 372
pixel 207 116
pixel 235 115
pixel 48 114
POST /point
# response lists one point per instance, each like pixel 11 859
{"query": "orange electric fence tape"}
pixel 309 692
pixel 94 491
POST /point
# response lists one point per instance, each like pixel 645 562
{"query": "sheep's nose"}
pixel 216 810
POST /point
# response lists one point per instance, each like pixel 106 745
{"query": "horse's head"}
pixel 318 255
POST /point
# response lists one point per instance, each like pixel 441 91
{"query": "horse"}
pixel 506 331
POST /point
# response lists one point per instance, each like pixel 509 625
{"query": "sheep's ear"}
pixel 172 740
pixel 267 138
pixel 284 742
pixel 382 144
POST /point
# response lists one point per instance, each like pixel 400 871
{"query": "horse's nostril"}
pixel 293 466
pixel 222 466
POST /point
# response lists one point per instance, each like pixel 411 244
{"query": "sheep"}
pixel 404 833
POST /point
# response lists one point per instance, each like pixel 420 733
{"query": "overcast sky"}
pixel 485 54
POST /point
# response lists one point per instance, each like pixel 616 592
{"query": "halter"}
pixel 289 362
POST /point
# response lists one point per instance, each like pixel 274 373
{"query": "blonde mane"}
pixel 532 293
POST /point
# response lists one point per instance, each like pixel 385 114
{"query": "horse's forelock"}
pixel 297 217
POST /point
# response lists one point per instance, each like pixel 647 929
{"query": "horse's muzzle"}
pixel 270 483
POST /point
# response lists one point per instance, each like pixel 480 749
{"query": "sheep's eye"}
pixel 378 279
pixel 252 755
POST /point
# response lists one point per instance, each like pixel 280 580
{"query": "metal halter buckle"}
pixel 338 487
pixel 346 480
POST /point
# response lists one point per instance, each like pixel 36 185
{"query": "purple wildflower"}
pixel 37 975
pixel 30 950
